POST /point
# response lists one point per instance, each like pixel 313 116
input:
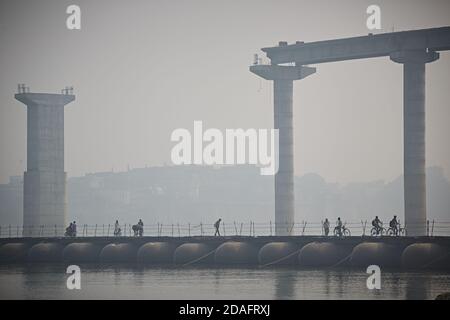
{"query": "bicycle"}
pixel 343 233
pixel 377 231
pixel 400 231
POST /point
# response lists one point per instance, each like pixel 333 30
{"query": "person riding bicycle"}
pixel 339 226
pixel 326 227
pixel 377 224
pixel 394 225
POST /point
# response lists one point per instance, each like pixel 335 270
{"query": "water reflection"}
pixel 417 287
pixel 36 278
pixel 284 285
pixel 167 282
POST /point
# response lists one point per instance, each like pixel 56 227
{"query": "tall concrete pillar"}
pixel 414 137
pixel 283 77
pixel 44 202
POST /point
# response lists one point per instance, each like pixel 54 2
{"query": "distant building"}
pixel 177 194
pixel 236 193
pixel 11 202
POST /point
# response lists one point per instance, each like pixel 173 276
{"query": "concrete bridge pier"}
pixel 283 78
pixel 414 136
pixel 44 193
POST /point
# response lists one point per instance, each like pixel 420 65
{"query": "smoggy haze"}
pixel 144 68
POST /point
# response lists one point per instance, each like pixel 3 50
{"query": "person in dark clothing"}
pixel 117 230
pixel 217 226
pixel 377 224
pixel 141 227
pixel 394 225
pixel 69 230
pixel 326 227
pixel 74 229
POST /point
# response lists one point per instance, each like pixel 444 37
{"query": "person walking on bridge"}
pixel 339 227
pixel 141 227
pixel 74 229
pixel 69 230
pixel 326 227
pixel 217 225
pixel 117 230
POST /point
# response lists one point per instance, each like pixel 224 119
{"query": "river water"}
pixel 48 281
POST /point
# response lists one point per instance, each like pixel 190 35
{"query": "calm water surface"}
pixel 132 282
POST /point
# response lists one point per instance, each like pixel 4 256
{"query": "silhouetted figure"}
pixel 141 227
pixel 217 226
pixel 69 230
pixel 376 223
pixel 74 229
pixel 117 230
pixel 394 225
pixel 326 227
pixel 138 228
pixel 339 227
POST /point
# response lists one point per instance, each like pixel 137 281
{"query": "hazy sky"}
pixel 144 68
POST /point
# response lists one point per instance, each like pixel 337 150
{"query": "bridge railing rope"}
pixel 227 228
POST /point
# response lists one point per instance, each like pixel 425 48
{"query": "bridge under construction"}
pixel 413 49
pixel 45 179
